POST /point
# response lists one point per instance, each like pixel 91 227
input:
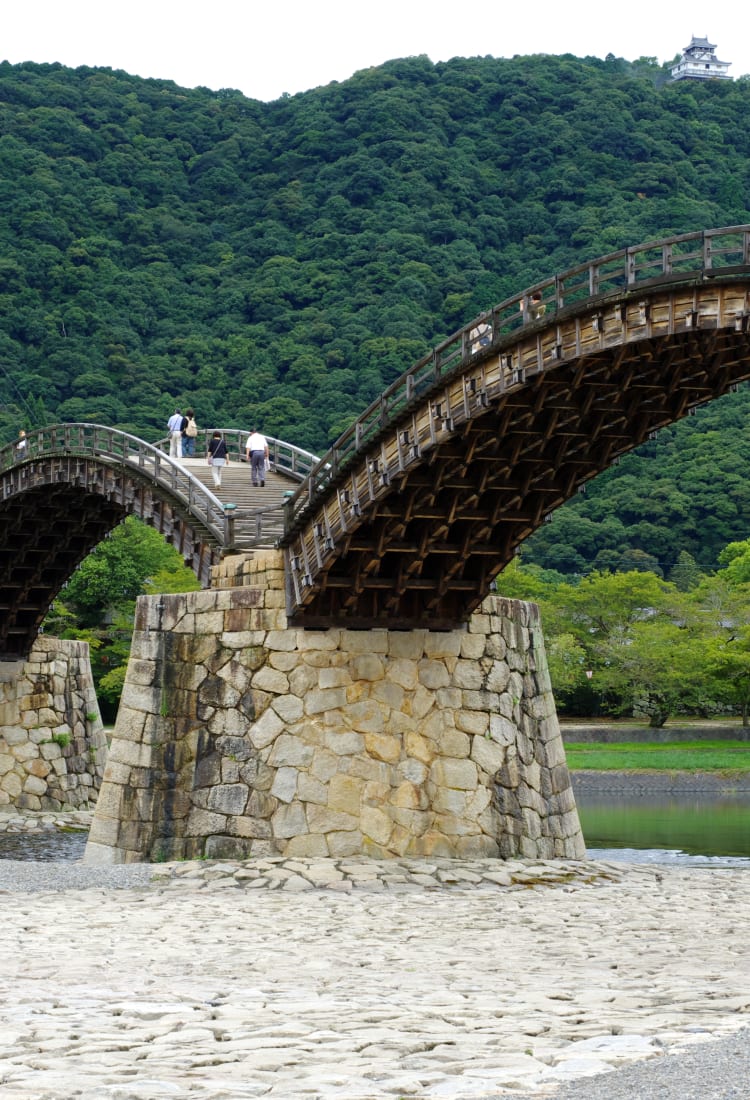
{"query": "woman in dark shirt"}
pixel 217 456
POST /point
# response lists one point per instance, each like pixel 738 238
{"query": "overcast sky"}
pixel 277 46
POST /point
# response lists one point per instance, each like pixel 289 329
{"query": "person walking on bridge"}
pixel 217 457
pixel 257 455
pixel 175 425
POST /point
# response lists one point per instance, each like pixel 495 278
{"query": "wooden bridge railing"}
pixel 110 446
pixel 689 256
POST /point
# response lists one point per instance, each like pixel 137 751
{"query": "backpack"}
pixel 192 429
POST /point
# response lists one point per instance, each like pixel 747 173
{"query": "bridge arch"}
pixel 413 512
pixel 74 483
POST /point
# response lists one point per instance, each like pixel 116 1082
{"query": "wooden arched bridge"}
pixel 416 508
pixel 73 483
pixel 413 512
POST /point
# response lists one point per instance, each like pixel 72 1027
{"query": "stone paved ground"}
pixel 362 980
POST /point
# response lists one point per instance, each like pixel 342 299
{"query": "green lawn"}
pixel 684 756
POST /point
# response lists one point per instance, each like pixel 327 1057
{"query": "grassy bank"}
pixel 687 756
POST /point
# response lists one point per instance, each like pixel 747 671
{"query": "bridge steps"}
pixel 237 488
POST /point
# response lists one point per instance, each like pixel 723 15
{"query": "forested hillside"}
pixel 282 262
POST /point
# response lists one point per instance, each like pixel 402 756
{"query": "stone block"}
pixel 383 747
pixel 406 643
pixel 345 794
pixel 409 796
pixel 311 846
pixel 452 742
pixel 311 790
pixel 266 729
pixel 271 680
pixel 474 722
pixel 433 674
pixel 321 819
pixel 34 785
pixel 325 763
pixel 365 717
pixel 251 828
pixel 376 825
pixel 318 640
pixel 448 801
pixel 419 703
pixel 488 755
pixel 322 699
pixel 372 771
pixel 204 823
pixel 468 674
pixel 284 662
pixel 364 641
pixel 412 771
pixel 502 730
pixel 457 774
pixel 364 667
pixel 290 820
pixel 344 843
pixel 344 744
pixel 388 696
pixel 228 798
pixel 418 747
pixel 472 647
pixel 261 804
pixel 403 672
pixel 291 751
pixel 284 786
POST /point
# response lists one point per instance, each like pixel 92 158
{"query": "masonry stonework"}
pixel 239 736
pixel 52 743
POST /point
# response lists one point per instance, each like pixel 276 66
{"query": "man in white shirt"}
pixel 257 456
pixel 174 426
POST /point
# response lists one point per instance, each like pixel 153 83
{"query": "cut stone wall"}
pixel 52 743
pixel 238 736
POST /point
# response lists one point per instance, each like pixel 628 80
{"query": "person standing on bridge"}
pixel 189 433
pixel 21 444
pixel 257 455
pixel 217 457
pixel 175 425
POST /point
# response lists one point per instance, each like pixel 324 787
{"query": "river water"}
pixel 685 828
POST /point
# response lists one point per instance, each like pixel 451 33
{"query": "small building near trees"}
pixel 699 62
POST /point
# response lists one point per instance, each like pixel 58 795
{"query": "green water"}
pixel 695 824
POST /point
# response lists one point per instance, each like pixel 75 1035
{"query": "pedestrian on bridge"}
pixel 217 457
pixel 175 425
pixel 257 455
pixel 189 433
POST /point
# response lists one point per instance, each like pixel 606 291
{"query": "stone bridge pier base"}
pixel 240 736
pixel 52 744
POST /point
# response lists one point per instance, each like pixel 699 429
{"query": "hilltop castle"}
pixel 699 62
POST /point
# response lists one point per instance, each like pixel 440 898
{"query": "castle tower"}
pixel 699 62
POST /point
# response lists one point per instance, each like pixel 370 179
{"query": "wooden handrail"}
pixel 109 445
pixel 687 256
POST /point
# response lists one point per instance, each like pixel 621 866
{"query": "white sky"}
pixel 267 48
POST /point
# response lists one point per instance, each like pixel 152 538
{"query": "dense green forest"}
pixel 282 262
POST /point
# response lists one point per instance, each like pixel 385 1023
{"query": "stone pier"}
pixel 52 744
pixel 240 736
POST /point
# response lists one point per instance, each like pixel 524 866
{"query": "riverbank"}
pixel 605 733
pixel 359 979
pixel 655 782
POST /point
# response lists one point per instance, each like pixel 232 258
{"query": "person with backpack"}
pixel 189 433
